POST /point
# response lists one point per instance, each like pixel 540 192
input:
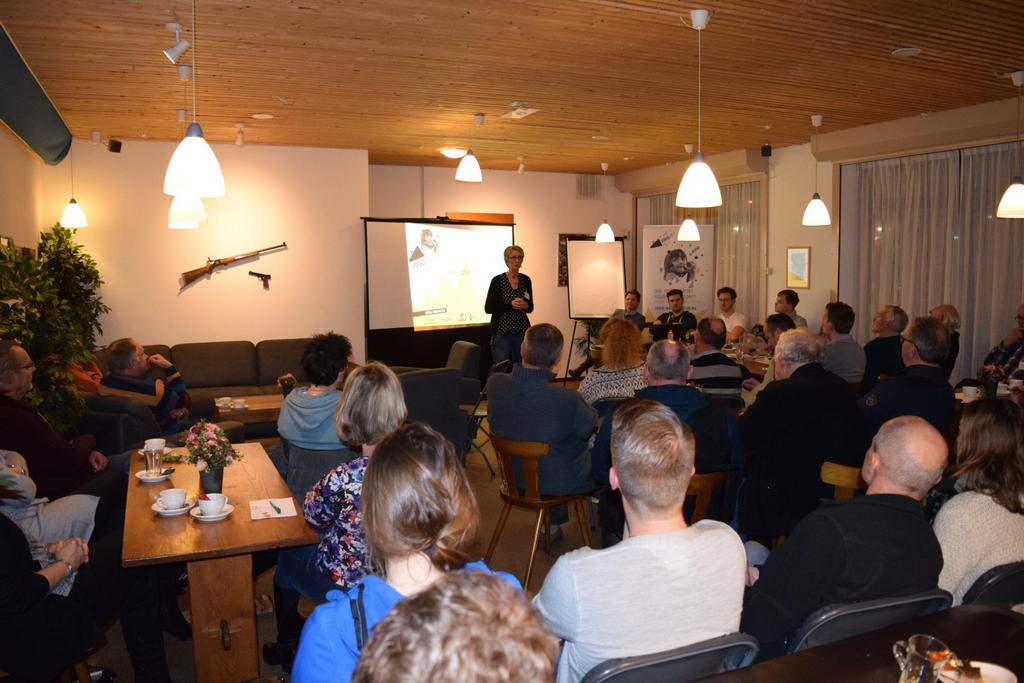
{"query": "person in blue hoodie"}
pixel 307 416
pixel 420 518
pixel 715 430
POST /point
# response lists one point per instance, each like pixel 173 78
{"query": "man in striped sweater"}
pixel 167 397
pixel 710 369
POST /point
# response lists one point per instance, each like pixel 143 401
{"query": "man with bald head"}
pixel 714 372
pixel 874 546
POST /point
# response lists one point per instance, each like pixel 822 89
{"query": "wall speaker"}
pixel 766 150
pixel 114 146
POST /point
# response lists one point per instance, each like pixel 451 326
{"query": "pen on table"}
pixel 276 509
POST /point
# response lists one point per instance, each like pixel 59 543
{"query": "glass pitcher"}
pixel 921 658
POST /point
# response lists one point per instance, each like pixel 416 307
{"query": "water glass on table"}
pixel 153 450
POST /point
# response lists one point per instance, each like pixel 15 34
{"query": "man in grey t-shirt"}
pixel 666 584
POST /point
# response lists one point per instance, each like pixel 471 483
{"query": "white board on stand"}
pixel 597 278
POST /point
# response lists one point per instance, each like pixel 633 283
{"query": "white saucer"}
pixel 990 673
pixel 142 451
pixel 159 508
pixel 200 517
pixel 143 476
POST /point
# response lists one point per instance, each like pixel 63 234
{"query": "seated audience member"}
pixel 372 406
pixel 56 598
pixel 167 398
pixel 785 303
pixel 774 326
pixel 421 519
pixel 717 438
pixel 983 527
pixel 950 318
pixel 307 416
pixel 735 322
pixel 664 586
pixel 676 320
pixel 921 388
pixel 524 405
pixel 621 372
pixel 803 418
pixel 882 354
pixel 715 373
pixel 874 546
pixel 843 355
pixel 1003 361
pixel 58 467
pixel 469 626
pixel 631 312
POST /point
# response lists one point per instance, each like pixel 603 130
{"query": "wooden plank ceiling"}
pixel 614 80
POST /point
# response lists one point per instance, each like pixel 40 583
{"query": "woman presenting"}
pixel 509 299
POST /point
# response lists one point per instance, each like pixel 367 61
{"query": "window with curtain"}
pixel 921 231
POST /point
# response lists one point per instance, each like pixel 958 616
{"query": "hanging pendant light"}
pixel 816 213
pixel 688 231
pixel 73 216
pixel 699 187
pixel 1012 203
pixel 605 234
pixel 469 169
pixel 194 169
pixel 186 213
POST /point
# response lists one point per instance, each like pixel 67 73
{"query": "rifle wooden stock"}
pixel 191 276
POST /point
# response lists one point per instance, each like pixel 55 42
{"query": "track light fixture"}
pixel 240 134
pixel 175 51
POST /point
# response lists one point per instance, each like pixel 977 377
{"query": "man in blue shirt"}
pixel 167 397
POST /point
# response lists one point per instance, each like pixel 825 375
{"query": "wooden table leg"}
pixel 223 619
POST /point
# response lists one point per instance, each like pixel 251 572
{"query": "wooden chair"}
pixel 703 486
pixel 845 478
pixel 530 498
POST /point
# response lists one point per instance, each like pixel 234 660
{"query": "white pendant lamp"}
pixel 699 187
pixel 186 213
pixel 816 213
pixel 469 169
pixel 605 234
pixel 688 231
pixel 1012 203
pixel 73 216
pixel 194 169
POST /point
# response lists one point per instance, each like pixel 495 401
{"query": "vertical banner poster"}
pixel 670 264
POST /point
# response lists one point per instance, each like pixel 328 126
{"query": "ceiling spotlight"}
pixel 478 119
pixel 175 51
pixel 95 137
pixel 522 165
pixel 240 135
pixel 453 152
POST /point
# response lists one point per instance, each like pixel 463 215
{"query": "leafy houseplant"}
pixel 52 306
pixel 210 451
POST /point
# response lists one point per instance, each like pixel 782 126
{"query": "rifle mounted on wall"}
pixel 191 276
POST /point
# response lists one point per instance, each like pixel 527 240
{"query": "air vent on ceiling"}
pixel 588 186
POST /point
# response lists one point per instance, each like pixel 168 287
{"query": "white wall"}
pixel 311 198
pixel 790 186
pixel 21 190
pixel 544 205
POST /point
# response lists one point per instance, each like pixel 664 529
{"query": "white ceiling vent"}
pixel 588 186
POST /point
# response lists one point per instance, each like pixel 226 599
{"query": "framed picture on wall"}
pixel 798 267
pixel 5 241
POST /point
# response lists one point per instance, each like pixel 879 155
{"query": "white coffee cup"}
pixel 1016 383
pixel 223 402
pixel 971 392
pixel 155 444
pixel 214 504
pixel 172 499
pixel 239 403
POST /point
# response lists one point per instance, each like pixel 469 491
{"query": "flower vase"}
pixel 212 479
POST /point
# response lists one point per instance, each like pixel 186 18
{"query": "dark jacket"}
pixel 883 357
pixel 795 425
pixel 57 466
pixel 524 405
pixel 920 390
pixel 496 305
pixel 870 547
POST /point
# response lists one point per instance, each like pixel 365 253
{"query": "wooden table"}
pixel 973 632
pixel 258 408
pixel 218 555
pixel 756 367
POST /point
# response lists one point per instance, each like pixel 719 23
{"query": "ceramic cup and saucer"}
pixel 213 509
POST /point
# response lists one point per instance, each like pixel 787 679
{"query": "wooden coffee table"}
pixel 258 408
pixel 218 556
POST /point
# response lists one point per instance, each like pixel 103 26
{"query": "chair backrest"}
pixel 681 664
pixel 836 622
pixel 465 356
pixel 605 407
pixel 702 486
pixel 433 396
pixel 1001 586
pixel 845 478
pixel 528 452
pixel 305 467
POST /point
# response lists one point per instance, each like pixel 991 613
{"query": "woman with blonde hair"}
pixel 950 318
pixel 372 405
pixel 509 300
pixel 421 518
pixel 983 527
pixel 622 371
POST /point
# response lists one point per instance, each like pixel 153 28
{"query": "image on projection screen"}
pixel 432 276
